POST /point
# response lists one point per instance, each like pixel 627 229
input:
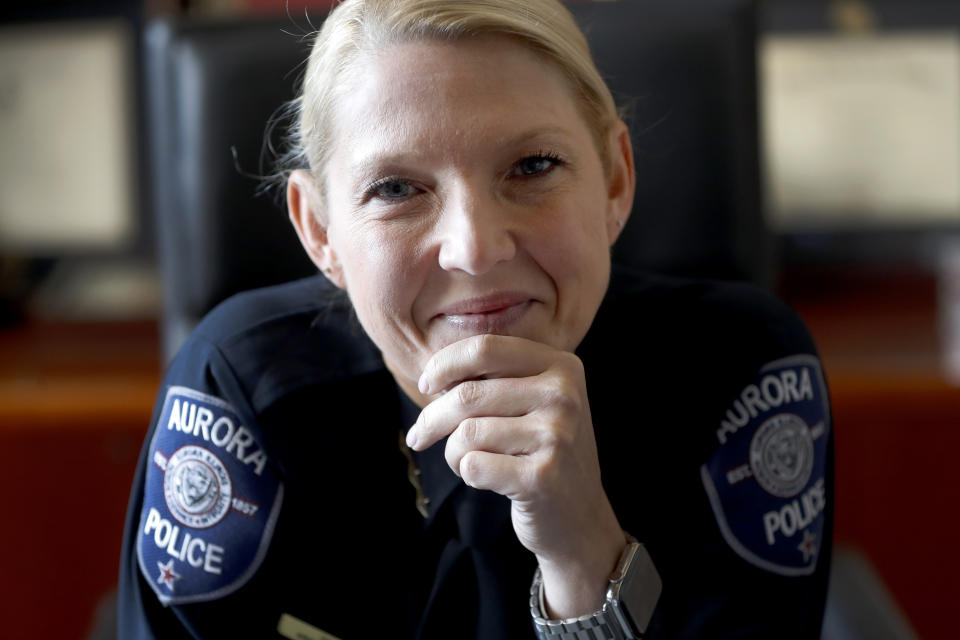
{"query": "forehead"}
pixel 417 98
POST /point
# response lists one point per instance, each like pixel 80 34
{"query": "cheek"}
pixel 576 243
pixel 577 258
pixel 382 278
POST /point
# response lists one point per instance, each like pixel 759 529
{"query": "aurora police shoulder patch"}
pixel 766 479
pixel 210 501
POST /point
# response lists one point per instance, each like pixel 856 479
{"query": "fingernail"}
pixel 412 437
pixel 423 386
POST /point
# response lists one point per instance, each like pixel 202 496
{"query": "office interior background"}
pixel 853 125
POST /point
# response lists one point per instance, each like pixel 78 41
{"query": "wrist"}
pixel 632 594
pixel 574 583
pixel 576 586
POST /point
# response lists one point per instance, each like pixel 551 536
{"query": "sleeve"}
pixel 204 503
pixel 734 497
pixel 769 485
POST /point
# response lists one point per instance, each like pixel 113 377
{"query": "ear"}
pixel 621 181
pixel 305 207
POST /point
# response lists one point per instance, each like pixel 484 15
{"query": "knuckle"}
pixel 542 473
pixel 471 431
pixel 562 396
pixel 482 346
pixel 566 440
pixel 559 438
pixel 572 363
pixel 469 393
pixel 476 347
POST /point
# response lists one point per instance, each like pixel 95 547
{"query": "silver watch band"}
pixel 595 626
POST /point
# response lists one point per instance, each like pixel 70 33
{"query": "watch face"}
pixel 639 590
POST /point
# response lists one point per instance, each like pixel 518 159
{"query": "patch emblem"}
pixel 210 501
pixel 766 479
pixel 196 486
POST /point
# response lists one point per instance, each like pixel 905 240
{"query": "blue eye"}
pixel 536 165
pixel 391 189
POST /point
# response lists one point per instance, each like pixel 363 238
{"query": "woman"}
pixel 462 176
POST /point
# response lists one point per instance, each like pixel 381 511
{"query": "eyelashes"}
pixel 396 189
pixel 539 164
pixel 390 188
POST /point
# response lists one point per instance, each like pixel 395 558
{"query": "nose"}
pixel 475 234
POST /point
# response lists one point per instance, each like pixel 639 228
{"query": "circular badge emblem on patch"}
pixel 781 455
pixel 196 487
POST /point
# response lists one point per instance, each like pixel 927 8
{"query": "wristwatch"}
pixel 633 593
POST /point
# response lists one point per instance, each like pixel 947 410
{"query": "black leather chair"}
pixel 686 77
pixel 685 73
pixel 211 87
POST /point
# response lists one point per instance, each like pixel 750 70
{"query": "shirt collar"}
pixel 437 480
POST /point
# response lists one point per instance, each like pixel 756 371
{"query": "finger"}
pixel 508 436
pixel 496 472
pixel 498 397
pixel 486 356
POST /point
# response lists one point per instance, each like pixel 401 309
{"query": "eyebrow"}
pixel 377 162
pixel 540 132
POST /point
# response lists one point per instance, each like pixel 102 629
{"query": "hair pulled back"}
pixel 357 27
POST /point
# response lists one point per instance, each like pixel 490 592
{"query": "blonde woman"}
pixel 511 443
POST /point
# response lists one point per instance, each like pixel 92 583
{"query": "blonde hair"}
pixel 355 27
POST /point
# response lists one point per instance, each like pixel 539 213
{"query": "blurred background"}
pixel 831 175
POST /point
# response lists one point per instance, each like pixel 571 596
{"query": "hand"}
pixel 518 421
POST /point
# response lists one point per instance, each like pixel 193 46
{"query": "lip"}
pixel 488 304
pixel 487 314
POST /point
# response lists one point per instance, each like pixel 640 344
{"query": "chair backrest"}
pixel 211 88
pixel 687 78
pixel 685 73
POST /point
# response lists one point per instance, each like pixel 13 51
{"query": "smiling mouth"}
pixel 489 314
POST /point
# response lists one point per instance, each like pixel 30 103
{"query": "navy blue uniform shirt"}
pixel 271 497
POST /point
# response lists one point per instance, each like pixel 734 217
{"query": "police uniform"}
pixel 272 495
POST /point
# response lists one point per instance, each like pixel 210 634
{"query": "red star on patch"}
pixel 808 546
pixel 167 574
